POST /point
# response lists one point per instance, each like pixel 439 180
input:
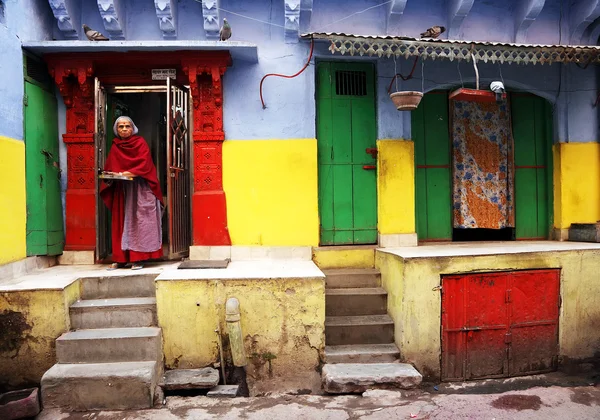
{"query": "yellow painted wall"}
pixel 12 200
pixel 30 322
pixel 280 317
pixel 396 186
pixel 576 183
pixel 272 191
pixel 416 307
pixel 344 257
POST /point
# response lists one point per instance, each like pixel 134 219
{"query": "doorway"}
pixel 161 114
pixel 522 207
pixel 347 150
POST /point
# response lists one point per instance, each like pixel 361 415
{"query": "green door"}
pixel 44 206
pixel 433 170
pixel 346 130
pixel 532 133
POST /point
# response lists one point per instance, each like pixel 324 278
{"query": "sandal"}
pixel 137 266
pixel 115 266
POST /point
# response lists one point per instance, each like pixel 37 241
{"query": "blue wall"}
pixel 24 20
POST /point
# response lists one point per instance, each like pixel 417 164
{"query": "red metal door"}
pixel 499 324
pixel 534 302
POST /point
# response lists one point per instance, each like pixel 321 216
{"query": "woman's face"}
pixel 124 129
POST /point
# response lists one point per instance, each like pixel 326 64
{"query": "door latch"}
pixel 372 151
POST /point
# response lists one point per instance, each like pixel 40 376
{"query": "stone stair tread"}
pixel 390 348
pixel 357 291
pixel 100 386
pixel 110 333
pixel 358 377
pixel 340 321
pixel 113 303
pixel 190 379
pixel 349 271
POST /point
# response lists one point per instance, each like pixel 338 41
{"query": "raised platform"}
pixel 465 249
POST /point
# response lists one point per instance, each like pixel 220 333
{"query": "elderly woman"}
pixel 136 205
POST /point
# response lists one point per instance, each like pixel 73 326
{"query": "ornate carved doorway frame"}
pixel 203 72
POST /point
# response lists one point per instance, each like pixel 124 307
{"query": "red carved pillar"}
pixel 76 84
pixel 209 209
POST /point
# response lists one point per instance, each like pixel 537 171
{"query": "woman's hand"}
pixel 126 173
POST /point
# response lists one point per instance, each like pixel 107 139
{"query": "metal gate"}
pixel 178 175
pixel 499 324
pixel 102 232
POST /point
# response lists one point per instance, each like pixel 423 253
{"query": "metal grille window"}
pixel 36 71
pixel 352 83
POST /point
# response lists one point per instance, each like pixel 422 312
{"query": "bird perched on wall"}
pixel 93 35
pixel 433 32
pixel 498 89
pixel 225 32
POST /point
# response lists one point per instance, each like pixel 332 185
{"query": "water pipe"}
pixel 234 328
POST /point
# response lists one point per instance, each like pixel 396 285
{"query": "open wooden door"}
pixel 102 217
pixel 178 173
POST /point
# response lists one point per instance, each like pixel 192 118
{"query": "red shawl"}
pixel 131 154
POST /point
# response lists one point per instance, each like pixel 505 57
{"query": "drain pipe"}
pixel 234 328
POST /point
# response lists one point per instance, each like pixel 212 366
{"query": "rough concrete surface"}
pixel 190 378
pixel 581 403
pixel 345 378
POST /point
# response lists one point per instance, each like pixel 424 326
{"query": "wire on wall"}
pixel 312 47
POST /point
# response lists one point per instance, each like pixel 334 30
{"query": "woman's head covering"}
pixel 135 129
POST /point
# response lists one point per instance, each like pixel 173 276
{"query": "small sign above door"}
pixel 163 74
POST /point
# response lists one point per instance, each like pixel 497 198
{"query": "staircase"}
pixel 359 334
pixel 112 360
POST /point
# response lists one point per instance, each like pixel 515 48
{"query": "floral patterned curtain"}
pixel 483 165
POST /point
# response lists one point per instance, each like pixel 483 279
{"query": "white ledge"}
pixel 244 51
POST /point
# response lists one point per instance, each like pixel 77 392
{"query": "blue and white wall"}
pixel 270 168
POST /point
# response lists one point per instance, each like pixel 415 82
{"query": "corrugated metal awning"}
pixel 495 52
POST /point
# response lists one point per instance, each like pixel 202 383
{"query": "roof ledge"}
pixel 242 51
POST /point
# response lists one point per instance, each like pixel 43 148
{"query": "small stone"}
pixel 224 391
pixel 190 379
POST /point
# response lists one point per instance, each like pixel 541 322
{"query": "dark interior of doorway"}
pixel 465 235
pixel 147 110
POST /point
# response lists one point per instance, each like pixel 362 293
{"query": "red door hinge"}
pixel 508 296
pixel 372 151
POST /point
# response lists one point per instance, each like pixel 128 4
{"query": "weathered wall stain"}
pixel 14 328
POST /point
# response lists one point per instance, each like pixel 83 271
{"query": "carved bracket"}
pixel 292 21
pixel 583 14
pixel 67 14
pixel 395 12
pixel 457 12
pixel 210 14
pixel 306 8
pixel 113 17
pixel 166 12
pixel 527 12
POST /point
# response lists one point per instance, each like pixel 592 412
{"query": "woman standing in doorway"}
pixel 136 204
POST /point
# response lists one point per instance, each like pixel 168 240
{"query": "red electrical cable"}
pixel 405 78
pixel 312 46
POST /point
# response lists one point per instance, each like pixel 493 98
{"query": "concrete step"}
pixel 355 301
pixel 109 345
pixel 362 353
pixel 118 286
pixel 352 277
pixel 345 378
pixel 367 329
pixel 100 386
pixel 113 313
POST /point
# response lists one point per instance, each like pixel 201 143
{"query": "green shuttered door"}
pixel 44 207
pixel 433 172
pixel 532 131
pixel 345 129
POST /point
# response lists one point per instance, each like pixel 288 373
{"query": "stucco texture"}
pixel 12 197
pixel 271 190
pixel 415 306
pixel 282 323
pixel 30 322
pixel 576 183
pixel 396 186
